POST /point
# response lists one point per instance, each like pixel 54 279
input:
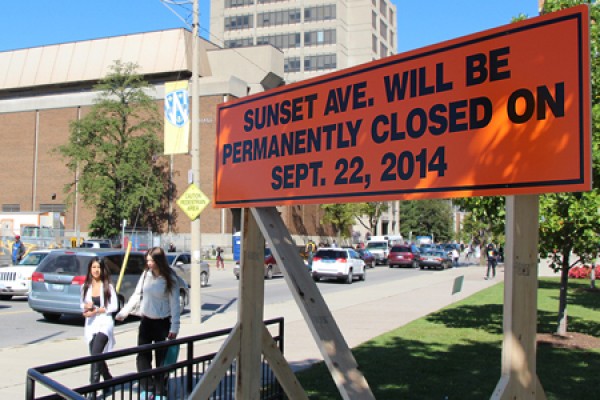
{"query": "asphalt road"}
pixel 19 325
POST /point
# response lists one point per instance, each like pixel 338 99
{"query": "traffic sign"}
pixel 193 201
pixel 502 112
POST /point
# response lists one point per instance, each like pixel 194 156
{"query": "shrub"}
pixel 583 272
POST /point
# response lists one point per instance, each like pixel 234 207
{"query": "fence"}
pixel 181 376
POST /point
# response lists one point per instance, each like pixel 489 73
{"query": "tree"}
pixel 569 221
pixel 372 211
pixel 486 215
pixel 116 148
pixel 340 216
pixel 426 217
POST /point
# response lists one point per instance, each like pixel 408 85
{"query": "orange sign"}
pixel 505 111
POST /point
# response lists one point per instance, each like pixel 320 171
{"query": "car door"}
pixel 358 265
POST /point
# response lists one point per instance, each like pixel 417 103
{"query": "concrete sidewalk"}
pixel 370 312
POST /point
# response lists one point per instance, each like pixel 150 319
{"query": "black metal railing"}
pixel 180 377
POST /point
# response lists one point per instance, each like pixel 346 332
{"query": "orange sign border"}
pixel 580 182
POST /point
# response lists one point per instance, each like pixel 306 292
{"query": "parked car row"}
pixel 52 279
pixel 426 257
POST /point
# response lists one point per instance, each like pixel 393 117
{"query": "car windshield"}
pixel 32 259
pixel 377 245
pixel 331 254
pixel 400 249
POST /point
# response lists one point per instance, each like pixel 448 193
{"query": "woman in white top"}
pixel 158 292
pixel 98 302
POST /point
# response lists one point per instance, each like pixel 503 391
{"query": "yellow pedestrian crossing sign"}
pixel 193 201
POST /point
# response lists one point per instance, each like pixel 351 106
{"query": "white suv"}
pixel 16 279
pixel 338 263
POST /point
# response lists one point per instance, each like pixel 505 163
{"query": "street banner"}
pixel 177 117
pixel 505 111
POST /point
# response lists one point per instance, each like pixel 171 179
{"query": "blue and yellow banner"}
pixel 177 117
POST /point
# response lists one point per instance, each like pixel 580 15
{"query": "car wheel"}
pixel 182 301
pixel 422 267
pixel 203 279
pixel 52 317
pixel 391 265
pixel 363 277
pixel 349 278
pixel 6 297
pixel 269 274
pixel 415 264
pixel 316 278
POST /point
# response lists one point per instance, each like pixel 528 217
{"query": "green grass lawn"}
pixel 455 352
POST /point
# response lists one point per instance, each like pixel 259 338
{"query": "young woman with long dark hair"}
pixel 158 289
pixel 98 302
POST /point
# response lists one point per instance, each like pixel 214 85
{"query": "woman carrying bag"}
pixel 158 294
pixel 98 302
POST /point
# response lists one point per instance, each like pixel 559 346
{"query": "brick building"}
pixel 43 89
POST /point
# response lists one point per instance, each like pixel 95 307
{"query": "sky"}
pixel 33 23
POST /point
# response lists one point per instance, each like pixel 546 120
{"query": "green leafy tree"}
pixel 485 216
pixel 116 148
pixel 569 222
pixel 368 214
pixel 340 216
pixel 427 217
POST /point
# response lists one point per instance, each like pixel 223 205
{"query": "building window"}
pixel 238 3
pixel 383 8
pixel 242 42
pixel 269 1
pixel 383 51
pixel 320 13
pixel 281 17
pixel 392 40
pixel 317 38
pixel 320 62
pixel 238 22
pixel 291 64
pixel 374 19
pixel 383 29
pixel 52 208
pixel 374 45
pixel 11 207
pixel 391 18
pixel 374 2
pixel 284 41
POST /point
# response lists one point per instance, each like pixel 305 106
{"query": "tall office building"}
pixel 316 36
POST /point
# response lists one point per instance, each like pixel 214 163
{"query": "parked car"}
pixel 96 244
pixel 181 262
pixel 15 280
pixel 338 263
pixel 56 282
pixel 271 267
pixel 404 255
pixel 438 259
pixel 367 257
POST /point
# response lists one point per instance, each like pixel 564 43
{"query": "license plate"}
pixel 401 257
pixel 56 287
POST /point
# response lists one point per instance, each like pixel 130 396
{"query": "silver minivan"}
pixel 56 282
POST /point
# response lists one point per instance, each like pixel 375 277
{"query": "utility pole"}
pixel 196 247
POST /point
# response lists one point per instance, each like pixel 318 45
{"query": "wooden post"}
pixel 250 309
pixel 336 353
pixel 519 375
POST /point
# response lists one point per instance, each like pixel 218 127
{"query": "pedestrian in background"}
pixel 18 250
pixel 492 260
pixel 158 293
pixel 455 257
pixel 98 302
pixel 310 252
pixel 220 263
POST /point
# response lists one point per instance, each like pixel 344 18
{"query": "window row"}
pixel 293 40
pixel 311 63
pixel 281 17
pixel 241 3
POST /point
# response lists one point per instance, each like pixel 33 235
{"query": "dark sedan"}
pixel 435 259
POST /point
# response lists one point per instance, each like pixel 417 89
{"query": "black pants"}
pixel 97 345
pixel 152 331
pixel 491 267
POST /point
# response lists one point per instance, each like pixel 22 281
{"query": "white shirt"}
pixel 100 323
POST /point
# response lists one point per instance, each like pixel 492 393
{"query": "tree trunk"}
pixel 561 328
